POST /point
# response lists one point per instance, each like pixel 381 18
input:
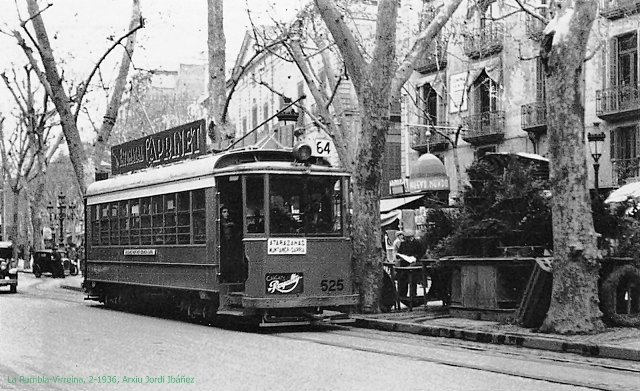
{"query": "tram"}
pixel 256 234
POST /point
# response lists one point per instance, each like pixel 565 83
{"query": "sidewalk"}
pixel 616 342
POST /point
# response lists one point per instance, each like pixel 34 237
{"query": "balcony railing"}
pixel 484 128
pixel 534 26
pixel 616 9
pixel 435 59
pixel 618 102
pixel 484 42
pixel 533 117
pixel 625 170
pixel 435 141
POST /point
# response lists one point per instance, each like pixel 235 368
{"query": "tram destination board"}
pixel 171 145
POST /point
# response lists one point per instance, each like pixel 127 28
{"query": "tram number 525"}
pixel 332 285
pixel 322 148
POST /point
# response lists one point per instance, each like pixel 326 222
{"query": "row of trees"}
pixel 378 77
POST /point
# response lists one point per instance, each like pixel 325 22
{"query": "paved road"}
pixel 51 334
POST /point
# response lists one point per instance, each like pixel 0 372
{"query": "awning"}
pixel 388 218
pixel 394 203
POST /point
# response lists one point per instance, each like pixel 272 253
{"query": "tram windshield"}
pixel 309 205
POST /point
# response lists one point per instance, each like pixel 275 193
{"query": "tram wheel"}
pixel 622 288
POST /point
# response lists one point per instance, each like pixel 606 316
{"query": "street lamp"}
pixel 596 140
pixel 284 117
pixel 51 211
pixel 62 206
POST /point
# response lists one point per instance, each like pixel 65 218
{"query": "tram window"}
pixel 199 217
pixel 254 218
pixel 284 204
pixel 310 205
pixel 177 218
pixel 145 220
pixel 95 225
pixel 135 221
pixel 184 218
pixel 123 220
pixel 157 219
pixel 323 213
pixel 170 222
pixel 104 224
pixel 113 224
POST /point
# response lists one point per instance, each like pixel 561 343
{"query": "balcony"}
pixel 625 171
pixel 484 42
pixel 618 102
pixel 434 142
pixel 616 9
pixel 436 58
pixel 534 27
pixel 484 128
pixel 533 117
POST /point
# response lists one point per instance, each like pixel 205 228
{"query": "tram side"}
pixel 154 237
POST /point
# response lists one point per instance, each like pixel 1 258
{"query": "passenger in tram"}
pixel 256 222
pixel 232 265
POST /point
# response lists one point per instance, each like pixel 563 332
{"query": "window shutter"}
pixel 636 150
pixel 613 62
pixel 442 111
pixel 614 140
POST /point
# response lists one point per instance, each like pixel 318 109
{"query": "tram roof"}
pixel 199 173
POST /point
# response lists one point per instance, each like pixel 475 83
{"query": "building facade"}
pixel 482 80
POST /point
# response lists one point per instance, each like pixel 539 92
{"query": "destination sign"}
pixel 140 251
pixel 286 246
pixel 179 143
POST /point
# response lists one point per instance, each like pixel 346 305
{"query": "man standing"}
pixel 409 251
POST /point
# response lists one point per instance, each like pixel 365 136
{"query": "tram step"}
pixel 230 312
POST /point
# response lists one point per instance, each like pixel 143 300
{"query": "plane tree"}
pixel 68 101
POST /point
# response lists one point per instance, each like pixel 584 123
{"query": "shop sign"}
pixel 180 143
pixel 422 184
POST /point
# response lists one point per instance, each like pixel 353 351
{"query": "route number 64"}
pixel 322 148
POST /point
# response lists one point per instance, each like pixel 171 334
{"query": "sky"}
pixel 175 32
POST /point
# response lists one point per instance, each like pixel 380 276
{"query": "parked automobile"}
pixel 55 262
pixel 8 267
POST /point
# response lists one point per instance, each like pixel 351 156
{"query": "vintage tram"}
pixel 256 234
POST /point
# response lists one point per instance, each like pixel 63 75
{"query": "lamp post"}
pixel 62 206
pixel 596 140
pixel 51 212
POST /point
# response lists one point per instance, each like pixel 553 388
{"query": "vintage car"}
pixel 8 267
pixel 55 262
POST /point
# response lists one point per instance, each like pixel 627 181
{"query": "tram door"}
pixel 230 230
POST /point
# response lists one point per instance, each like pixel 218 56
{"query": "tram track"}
pixel 578 371
pixel 595 376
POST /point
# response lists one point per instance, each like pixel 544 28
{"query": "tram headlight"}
pixel 302 151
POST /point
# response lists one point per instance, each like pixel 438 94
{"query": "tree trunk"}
pixel 111 114
pixel 574 301
pixel 59 96
pixel 366 229
pixel 216 42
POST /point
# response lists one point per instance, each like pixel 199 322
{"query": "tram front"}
pixel 297 255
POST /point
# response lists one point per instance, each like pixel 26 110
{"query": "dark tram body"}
pixel 157 237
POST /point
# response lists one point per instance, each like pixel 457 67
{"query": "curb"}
pixel 71 288
pixel 526 341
